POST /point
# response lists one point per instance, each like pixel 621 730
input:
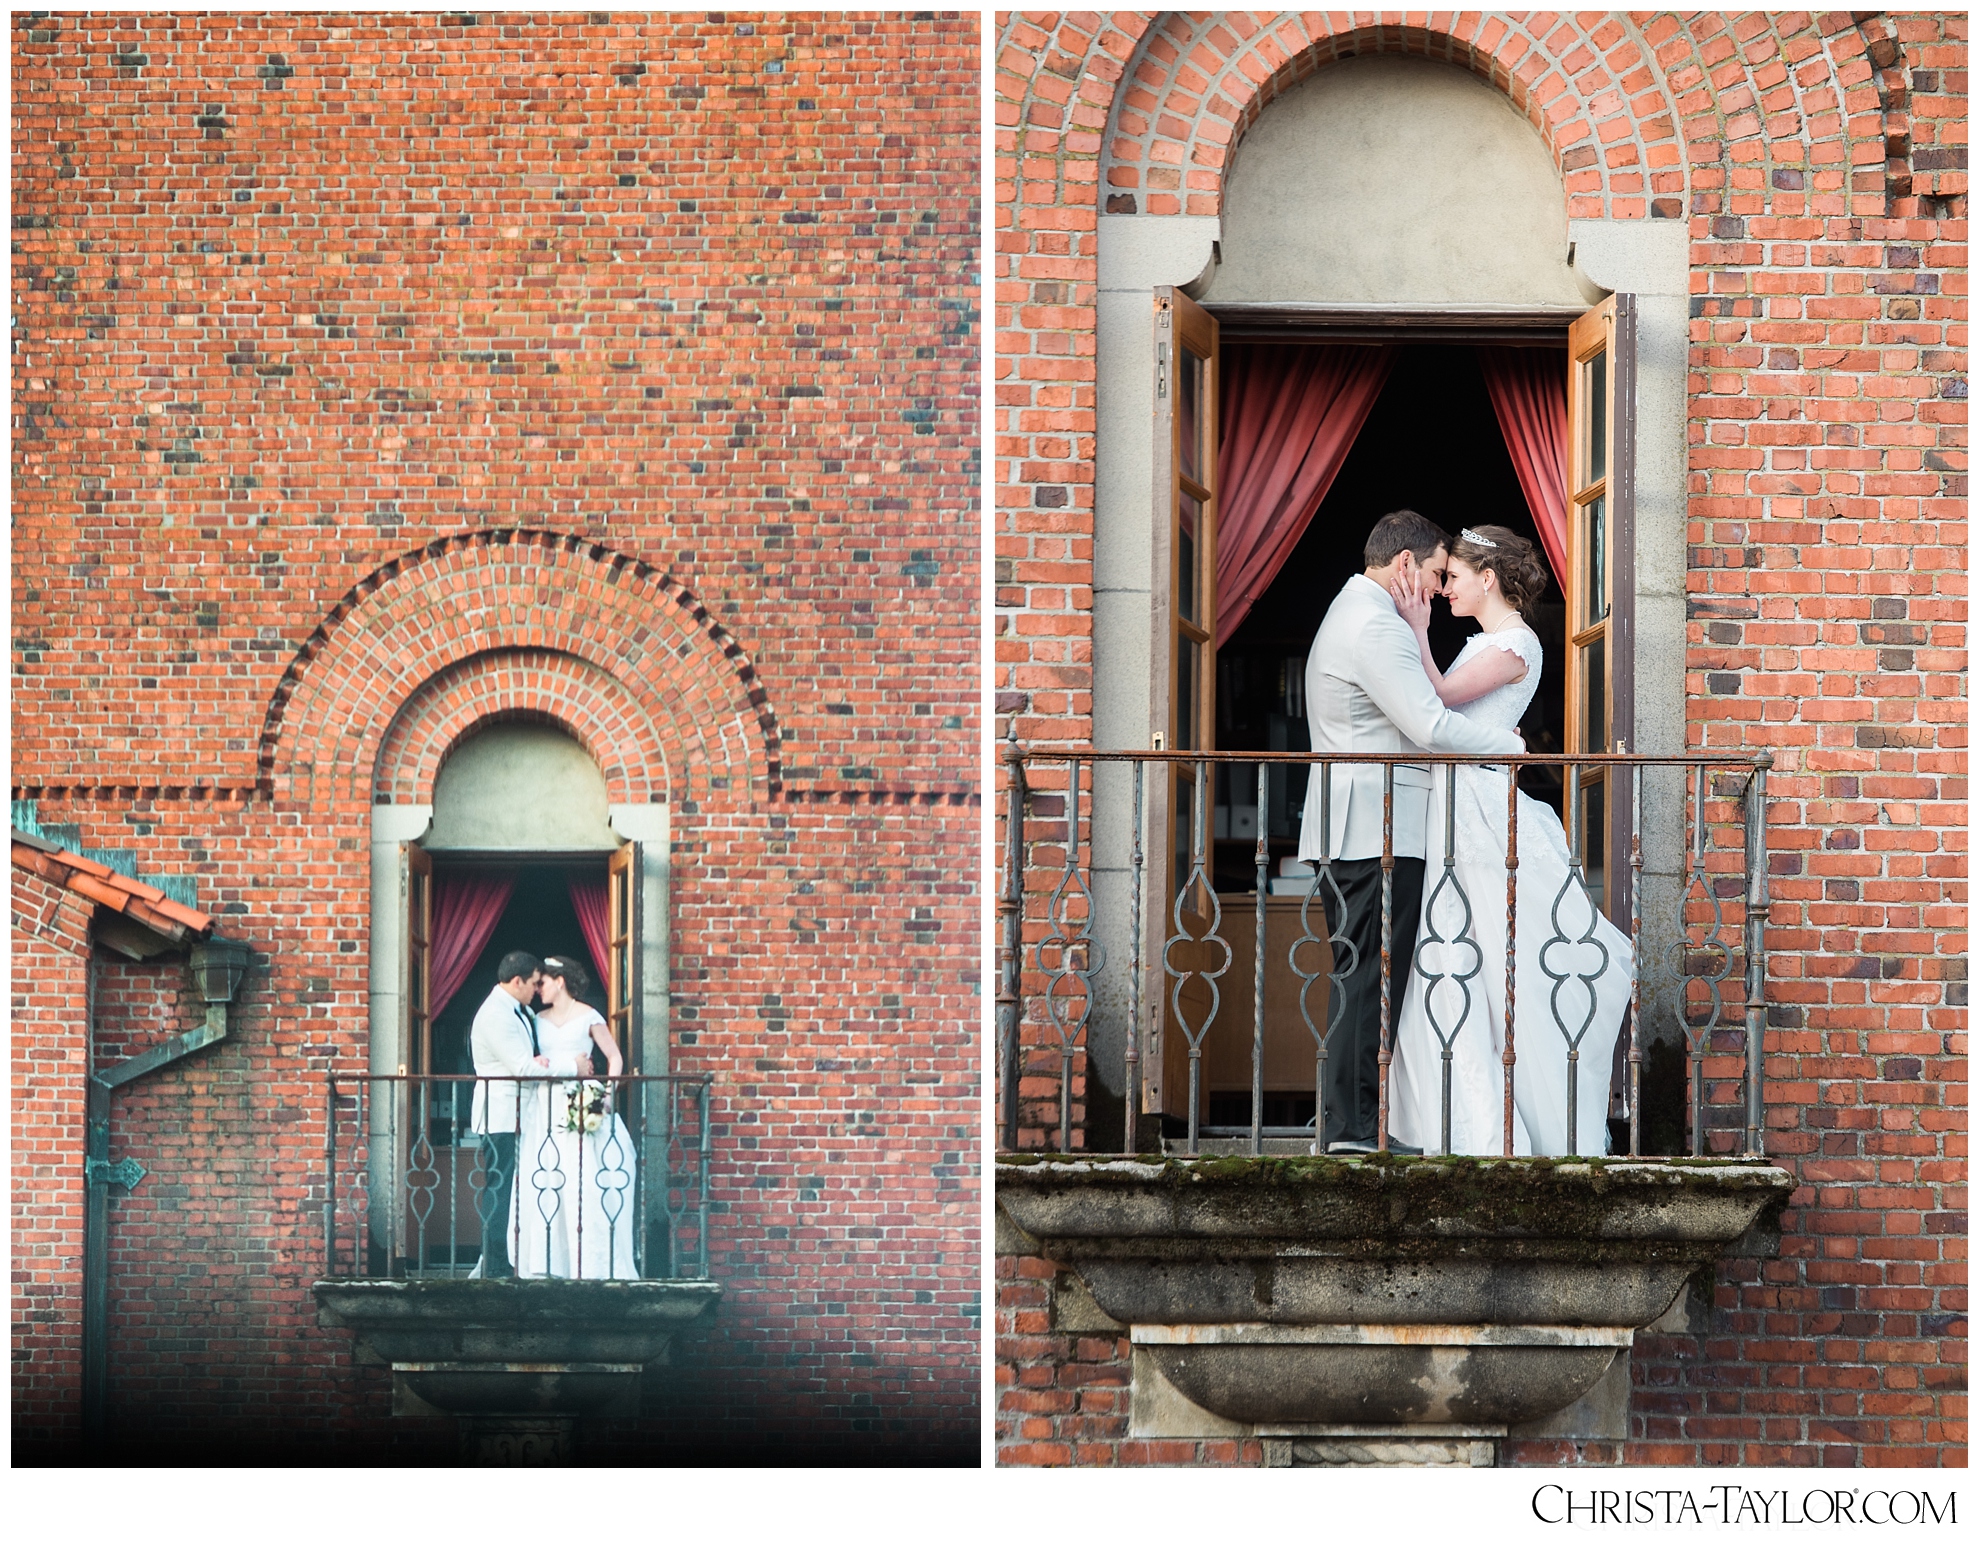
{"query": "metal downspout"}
pixel 95 1231
pixel 218 964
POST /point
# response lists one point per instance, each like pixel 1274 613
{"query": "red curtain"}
pixel 466 909
pixel 1528 387
pixel 588 896
pixel 1290 415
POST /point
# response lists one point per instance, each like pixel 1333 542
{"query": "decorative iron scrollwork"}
pixel 1576 879
pixel 1691 957
pixel 1340 968
pixel 1069 952
pixel 1197 881
pixel 1429 963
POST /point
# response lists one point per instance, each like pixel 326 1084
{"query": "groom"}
pixel 503 1041
pixel 1366 691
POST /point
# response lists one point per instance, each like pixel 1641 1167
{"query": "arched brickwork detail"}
pixel 499 592
pixel 1639 110
pixel 587 703
pixel 1587 84
pixel 1915 66
pixel 1779 114
pixel 1890 75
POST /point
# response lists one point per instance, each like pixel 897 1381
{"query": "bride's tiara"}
pixel 1478 540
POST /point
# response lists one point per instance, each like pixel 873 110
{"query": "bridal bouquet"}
pixel 585 1105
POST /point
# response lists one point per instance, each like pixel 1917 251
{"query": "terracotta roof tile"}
pixel 143 913
pixel 99 883
pixel 191 918
pixel 30 858
pixel 102 891
pixel 88 867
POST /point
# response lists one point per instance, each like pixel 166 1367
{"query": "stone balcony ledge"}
pixel 1355 1294
pixel 512 1320
pixel 511 1348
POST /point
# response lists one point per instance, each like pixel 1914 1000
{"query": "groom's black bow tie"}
pixel 528 1019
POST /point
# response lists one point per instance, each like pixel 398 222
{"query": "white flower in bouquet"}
pixel 585 1106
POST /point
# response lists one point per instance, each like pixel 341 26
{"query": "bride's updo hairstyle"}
pixel 571 971
pixel 1522 576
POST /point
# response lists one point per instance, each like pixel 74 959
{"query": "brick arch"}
pixel 1198 81
pixel 1922 163
pixel 1705 114
pixel 522 686
pixel 1782 113
pixel 502 591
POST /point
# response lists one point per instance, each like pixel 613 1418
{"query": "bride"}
pixel 576 1172
pixel 1580 984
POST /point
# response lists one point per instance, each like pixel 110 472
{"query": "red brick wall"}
pixel 618 279
pixel 49 1023
pixel 391 373
pixel 1819 163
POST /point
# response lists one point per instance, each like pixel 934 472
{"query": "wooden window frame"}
pixel 1608 328
pixel 622 931
pixel 1182 328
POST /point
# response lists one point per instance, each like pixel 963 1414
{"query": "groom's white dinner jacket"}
pixel 1366 690
pixel 503 1042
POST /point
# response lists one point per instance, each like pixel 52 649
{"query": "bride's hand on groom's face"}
pixel 1411 595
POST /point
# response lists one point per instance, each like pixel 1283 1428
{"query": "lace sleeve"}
pixel 1523 642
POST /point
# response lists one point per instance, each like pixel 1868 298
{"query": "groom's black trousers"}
pixel 1352 1075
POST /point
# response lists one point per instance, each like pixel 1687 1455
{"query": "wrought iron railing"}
pixel 598 1179
pixel 1051 953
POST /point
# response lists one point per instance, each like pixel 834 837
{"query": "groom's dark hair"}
pixel 517 965
pixel 1404 530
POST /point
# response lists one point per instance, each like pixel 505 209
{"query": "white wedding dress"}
pixel 1580 984
pixel 575 1199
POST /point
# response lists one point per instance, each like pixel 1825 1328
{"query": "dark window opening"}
pixel 539 918
pixel 1432 443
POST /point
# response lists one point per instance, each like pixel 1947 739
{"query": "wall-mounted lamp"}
pixel 218 965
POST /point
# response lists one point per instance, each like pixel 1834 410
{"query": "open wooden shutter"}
pixel 1600 584
pixel 1184 712
pixel 622 960
pixel 417 876
pixel 1185 525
